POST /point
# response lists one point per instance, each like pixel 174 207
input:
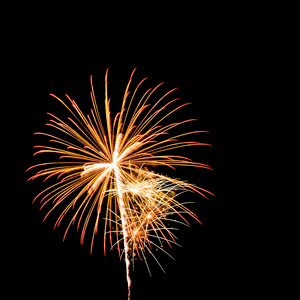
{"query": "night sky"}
pixel 61 61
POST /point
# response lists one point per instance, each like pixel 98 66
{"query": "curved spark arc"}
pixel 108 161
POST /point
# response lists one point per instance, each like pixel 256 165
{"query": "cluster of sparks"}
pixel 151 208
pixel 106 166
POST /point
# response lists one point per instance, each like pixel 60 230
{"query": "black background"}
pixel 58 58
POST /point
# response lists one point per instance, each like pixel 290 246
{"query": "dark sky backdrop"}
pixel 60 60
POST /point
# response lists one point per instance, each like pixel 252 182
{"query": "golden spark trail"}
pixel 124 218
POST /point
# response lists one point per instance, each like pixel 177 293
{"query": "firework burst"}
pixel 104 166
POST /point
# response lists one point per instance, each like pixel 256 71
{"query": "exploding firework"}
pixel 105 166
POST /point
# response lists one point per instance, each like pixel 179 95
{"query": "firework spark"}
pixel 105 166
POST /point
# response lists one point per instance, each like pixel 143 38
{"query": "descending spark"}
pixel 106 165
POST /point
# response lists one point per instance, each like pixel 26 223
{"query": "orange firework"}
pixel 107 165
